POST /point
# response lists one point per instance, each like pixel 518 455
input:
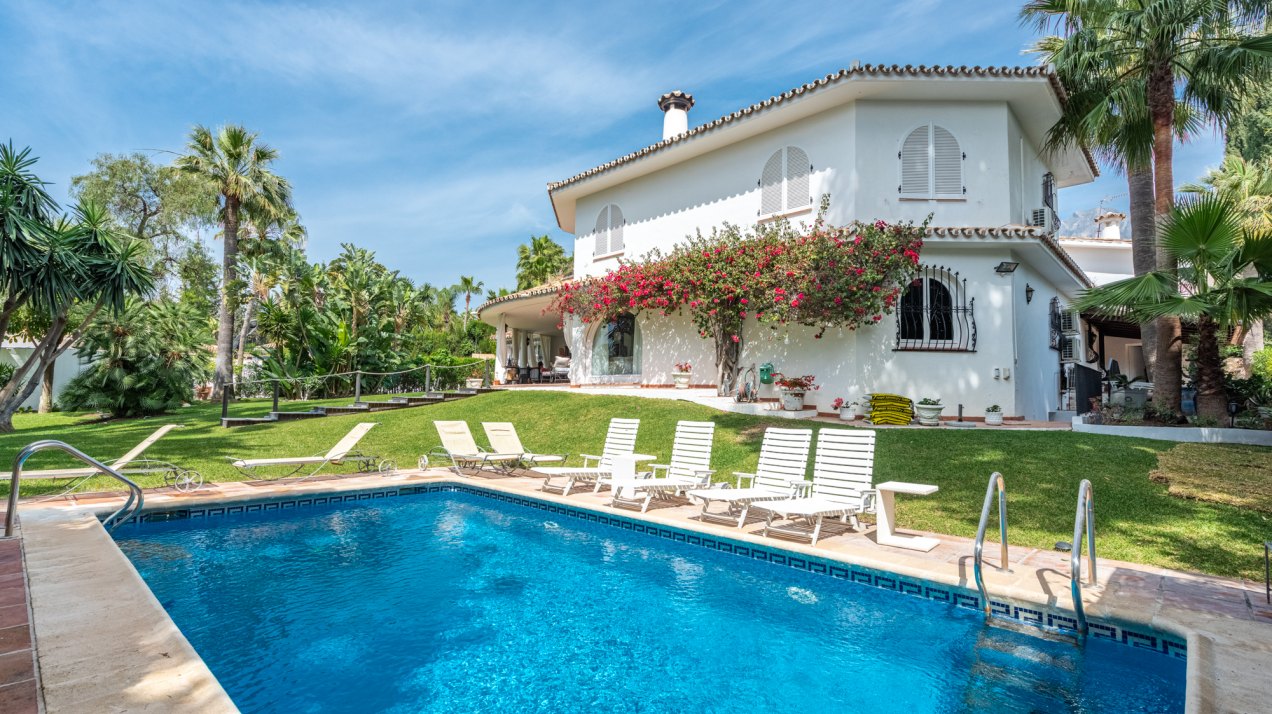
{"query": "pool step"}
pixel 1015 671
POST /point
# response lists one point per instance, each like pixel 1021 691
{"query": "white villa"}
pixel 984 323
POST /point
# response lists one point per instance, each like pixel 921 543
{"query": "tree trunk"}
pixel 46 388
pixel 1168 370
pixel 1144 248
pixel 1252 343
pixel 1211 399
pixel 225 313
pixel 46 352
pixel 242 343
pixel 727 355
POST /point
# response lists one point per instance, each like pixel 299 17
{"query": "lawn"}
pixel 1137 518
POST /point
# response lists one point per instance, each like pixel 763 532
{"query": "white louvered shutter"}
pixel 601 232
pixel 916 163
pixel 947 164
pixel 796 178
pixel 771 185
pixel 616 228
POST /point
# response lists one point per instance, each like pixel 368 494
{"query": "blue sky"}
pixel 427 131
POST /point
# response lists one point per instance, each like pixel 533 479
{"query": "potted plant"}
pixel 994 415
pixel 929 411
pixel 793 390
pixel 680 377
pixel 476 377
pixel 847 410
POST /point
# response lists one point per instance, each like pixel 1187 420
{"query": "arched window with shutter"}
pixel 608 232
pixel 784 184
pixel 931 164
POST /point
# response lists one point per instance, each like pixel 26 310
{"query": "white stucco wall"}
pixel 64 368
pixel 853 151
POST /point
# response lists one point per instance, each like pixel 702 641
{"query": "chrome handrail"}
pixel 999 484
pixel 130 507
pixel 1085 516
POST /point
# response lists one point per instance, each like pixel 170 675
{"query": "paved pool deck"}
pixel 104 643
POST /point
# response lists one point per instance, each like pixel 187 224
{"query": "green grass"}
pixel 1137 519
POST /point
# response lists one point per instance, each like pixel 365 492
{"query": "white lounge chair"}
pixel 459 447
pixel 780 474
pixel 843 472
pixel 620 440
pixel 182 479
pixel 503 438
pixel 689 467
pixel 341 452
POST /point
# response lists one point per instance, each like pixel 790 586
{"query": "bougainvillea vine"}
pixel 844 277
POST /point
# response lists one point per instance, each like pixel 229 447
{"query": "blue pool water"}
pixel 452 602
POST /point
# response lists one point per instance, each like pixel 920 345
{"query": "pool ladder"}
pixel 1083 522
pixel 997 485
pixel 1084 519
pixel 127 511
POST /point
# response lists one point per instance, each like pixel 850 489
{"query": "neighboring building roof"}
pixel 866 72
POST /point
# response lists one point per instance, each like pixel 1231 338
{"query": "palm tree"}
pixel 239 166
pixel 1201 53
pixel 540 261
pixel 1248 186
pixel 468 286
pixel 1223 279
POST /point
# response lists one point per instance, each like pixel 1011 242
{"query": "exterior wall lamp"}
pixel 1029 291
pixel 1006 267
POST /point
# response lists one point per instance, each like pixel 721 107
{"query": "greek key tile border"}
pixel 1045 619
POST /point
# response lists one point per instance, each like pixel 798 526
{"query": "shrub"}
pixel 142 361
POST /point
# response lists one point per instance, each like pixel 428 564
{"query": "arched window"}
pixel 934 313
pixel 609 231
pixel 616 348
pixel 784 182
pixel 931 164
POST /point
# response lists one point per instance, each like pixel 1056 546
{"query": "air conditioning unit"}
pixel 1038 218
pixel 1070 348
pixel 1070 321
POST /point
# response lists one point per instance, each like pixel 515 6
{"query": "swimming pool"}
pixel 458 602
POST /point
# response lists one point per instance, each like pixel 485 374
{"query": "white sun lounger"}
pixel 178 477
pixel 461 449
pixel 843 471
pixel 503 438
pixel 342 451
pixel 690 467
pixel 780 474
pixel 119 464
pixel 620 440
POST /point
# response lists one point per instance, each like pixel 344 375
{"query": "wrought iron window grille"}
pixel 935 314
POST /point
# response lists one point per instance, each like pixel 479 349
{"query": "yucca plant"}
pixel 1223 282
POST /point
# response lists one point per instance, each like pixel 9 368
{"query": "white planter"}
pixel 473 382
pixel 929 414
pixel 792 400
pixel 681 379
pixel 994 418
pixel 846 413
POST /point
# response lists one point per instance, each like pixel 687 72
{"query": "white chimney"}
pixel 1109 225
pixel 675 106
